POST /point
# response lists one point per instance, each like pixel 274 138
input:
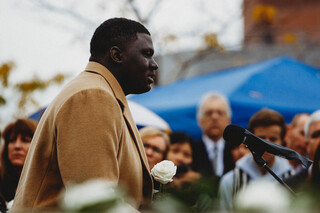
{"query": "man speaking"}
pixel 87 131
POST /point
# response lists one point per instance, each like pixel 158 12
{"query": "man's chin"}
pixel 269 158
pixel 214 132
pixel 144 90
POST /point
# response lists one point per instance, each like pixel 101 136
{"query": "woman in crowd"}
pixel 232 153
pixel 156 144
pixel 181 154
pixel 17 137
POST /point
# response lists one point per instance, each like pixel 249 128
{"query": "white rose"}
pixel 9 205
pixel 164 171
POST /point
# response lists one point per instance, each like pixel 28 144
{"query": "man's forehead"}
pixel 303 119
pixel 315 125
pixel 214 104
pixel 144 36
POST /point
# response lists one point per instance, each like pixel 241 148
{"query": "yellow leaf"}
pixel 30 86
pixel 211 40
pixel 264 13
pixel 59 78
pixel 170 38
pixel 5 70
pixel 290 38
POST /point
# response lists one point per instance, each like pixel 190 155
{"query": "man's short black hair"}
pixel 114 32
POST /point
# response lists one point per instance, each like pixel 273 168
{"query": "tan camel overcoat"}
pixel 86 132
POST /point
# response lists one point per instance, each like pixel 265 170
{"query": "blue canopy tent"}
pixel 283 84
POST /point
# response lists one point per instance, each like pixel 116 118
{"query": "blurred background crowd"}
pixel 212 166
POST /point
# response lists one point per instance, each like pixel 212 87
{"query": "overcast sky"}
pixel 43 42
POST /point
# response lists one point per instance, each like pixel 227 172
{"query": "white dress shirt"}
pixel 210 146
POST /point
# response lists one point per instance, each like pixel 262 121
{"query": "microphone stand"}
pixel 262 163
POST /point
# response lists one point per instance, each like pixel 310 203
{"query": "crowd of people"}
pixel 233 165
pixel 88 132
pixel 212 157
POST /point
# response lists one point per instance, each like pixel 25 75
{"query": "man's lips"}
pixel 150 79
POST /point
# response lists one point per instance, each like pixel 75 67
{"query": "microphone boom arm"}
pixel 262 163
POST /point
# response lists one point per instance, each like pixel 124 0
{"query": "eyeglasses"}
pixel 316 134
pixel 208 113
pixel 154 148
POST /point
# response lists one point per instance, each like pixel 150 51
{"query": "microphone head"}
pixel 234 134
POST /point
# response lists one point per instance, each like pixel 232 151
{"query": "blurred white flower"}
pixel 93 195
pixel 9 205
pixel 263 196
pixel 164 171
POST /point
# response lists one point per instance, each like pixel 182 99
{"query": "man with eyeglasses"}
pixel 213 115
pixel 312 133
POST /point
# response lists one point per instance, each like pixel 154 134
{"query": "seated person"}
pixel 239 151
pixel 233 153
pixel 17 137
pixel 312 135
pixel 295 138
pixel 181 154
pixel 312 132
pixel 266 124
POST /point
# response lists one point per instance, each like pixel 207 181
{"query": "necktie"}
pixel 215 158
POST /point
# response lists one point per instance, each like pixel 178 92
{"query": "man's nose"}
pixel 214 115
pixel 154 65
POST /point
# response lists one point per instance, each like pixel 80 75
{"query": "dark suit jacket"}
pixel 203 164
pixel 298 179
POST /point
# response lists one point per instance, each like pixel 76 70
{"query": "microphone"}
pixel 236 135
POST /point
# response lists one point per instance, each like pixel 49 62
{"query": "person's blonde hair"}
pixel 149 132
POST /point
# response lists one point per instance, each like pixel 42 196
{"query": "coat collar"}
pixel 106 74
pixel 120 96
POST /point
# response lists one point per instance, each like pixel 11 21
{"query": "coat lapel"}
pixel 120 96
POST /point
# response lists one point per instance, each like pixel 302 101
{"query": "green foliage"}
pixel 200 197
pixel 308 198
pixel 2 100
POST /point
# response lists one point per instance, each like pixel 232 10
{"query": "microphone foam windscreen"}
pixel 234 134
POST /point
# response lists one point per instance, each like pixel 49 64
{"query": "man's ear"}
pixel 116 54
pixel 288 131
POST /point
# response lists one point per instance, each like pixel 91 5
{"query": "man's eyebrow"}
pixel 149 50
